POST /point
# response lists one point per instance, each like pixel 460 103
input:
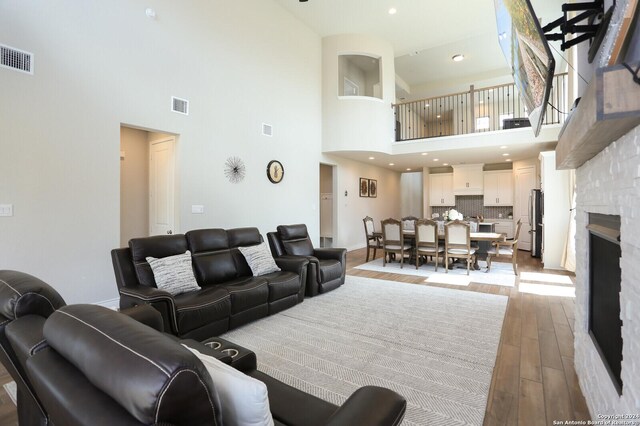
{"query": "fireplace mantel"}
pixel 609 108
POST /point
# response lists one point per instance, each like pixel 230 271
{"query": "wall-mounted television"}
pixel 527 51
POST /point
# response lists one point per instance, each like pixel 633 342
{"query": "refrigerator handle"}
pixel 530 210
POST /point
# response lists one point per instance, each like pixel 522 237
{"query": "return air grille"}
pixel 15 59
pixel 181 106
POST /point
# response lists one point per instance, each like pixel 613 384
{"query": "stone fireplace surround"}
pixel 609 183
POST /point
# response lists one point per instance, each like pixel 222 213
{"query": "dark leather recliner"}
pixel 327 266
pixel 89 365
pixel 230 295
pixel 25 303
pixel 126 373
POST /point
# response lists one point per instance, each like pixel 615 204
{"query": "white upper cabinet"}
pixel 468 179
pixel 498 188
pixel 441 190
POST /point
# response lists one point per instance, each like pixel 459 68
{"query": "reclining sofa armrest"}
pixel 370 405
pixel 298 265
pixel 339 254
pixel 161 300
pixel 145 314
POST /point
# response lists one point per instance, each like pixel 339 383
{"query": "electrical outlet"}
pixel 6 210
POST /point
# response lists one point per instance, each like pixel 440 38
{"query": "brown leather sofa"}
pixel 90 365
pixel 230 295
pixel 327 266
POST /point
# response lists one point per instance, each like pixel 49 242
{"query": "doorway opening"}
pixel 326 206
pixel 147 183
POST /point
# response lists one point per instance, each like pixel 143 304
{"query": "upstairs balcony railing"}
pixel 474 111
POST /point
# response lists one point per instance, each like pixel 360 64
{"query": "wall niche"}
pixel 359 75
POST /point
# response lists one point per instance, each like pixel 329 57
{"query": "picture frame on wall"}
pixel 373 188
pixel 364 187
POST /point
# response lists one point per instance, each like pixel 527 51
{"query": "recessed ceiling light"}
pixel 425 153
pixel 506 154
pixel 392 11
pixel 445 164
pixel 457 58
pixel 435 159
pixel 392 164
pixel 372 158
pixel 408 169
pixel 503 147
pixel 508 159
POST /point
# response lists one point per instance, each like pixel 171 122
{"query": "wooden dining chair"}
pixel 507 248
pixel 373 239
pixel 457 243
pixel 393 240
pixel 427 240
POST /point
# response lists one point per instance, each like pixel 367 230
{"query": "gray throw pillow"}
pixel 259 259
pixel 174 274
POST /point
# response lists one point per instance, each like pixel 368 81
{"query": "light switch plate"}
pixel 197 209
pixel 6 210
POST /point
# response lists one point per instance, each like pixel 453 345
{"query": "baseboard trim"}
pixel 110 303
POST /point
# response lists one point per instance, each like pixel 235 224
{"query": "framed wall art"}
pixel 373 188
pixel 364 187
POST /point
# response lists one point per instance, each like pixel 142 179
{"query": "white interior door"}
pixel 525 182
pixel 161 187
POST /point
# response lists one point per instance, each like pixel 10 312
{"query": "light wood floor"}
pixel 534 382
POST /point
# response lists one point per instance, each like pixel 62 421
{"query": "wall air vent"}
pixel 267 129
pixel 16 59
pixel 181 106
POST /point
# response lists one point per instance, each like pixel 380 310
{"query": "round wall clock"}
pixel 275 171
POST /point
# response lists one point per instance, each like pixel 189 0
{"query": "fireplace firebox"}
pixel 605 325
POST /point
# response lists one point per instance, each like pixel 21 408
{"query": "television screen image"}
pixel 527 52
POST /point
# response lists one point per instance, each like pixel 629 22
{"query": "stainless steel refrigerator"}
pixel 536 212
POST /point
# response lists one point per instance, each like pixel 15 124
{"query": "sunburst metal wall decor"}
pixel 234 169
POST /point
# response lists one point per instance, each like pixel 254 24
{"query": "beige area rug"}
pixel 501 273
pixel 435 346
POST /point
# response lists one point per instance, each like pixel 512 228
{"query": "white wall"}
pixel 351 209
pixel 557 206
pixel 99 64
pixel 357 123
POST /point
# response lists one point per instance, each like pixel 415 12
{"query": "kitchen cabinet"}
pixel 468 179
pixel 498 188
pixel 441 190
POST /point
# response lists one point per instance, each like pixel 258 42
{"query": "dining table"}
pixel 473 236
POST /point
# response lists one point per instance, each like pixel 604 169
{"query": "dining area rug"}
pixel 434 346
pixel 501 273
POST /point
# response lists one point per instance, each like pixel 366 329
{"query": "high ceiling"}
pixel 425 34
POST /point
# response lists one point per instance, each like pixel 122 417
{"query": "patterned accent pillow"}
pixel 174 274
pixel 259 259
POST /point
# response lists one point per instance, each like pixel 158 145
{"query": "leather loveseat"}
pixel 89 365
pixel 327 266
pixel 230 295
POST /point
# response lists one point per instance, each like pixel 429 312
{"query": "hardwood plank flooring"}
pixel 534 381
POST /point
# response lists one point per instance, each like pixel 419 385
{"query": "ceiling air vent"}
pixel 267 129
pixel 180 106
pixel 16 59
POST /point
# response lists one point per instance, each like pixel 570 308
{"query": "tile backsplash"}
pixel 473 205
